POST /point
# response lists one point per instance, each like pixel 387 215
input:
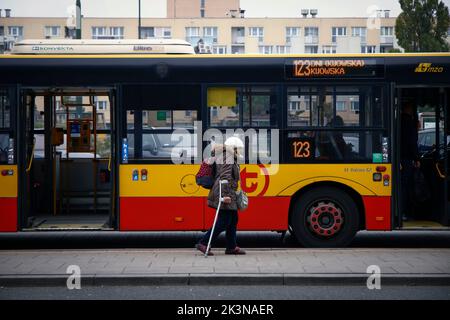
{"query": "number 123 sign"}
pixel 301 148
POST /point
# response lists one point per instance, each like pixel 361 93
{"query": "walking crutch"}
pixel 215 218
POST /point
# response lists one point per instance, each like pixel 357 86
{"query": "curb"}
pixel 225 279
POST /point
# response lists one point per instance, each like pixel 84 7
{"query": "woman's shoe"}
pixel 201 247
pixel 236 250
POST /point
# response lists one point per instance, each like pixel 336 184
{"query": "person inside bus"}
pixel 227 168
pixel 409 158
pixel 332 144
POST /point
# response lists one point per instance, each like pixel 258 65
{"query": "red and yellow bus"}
pixel 94 142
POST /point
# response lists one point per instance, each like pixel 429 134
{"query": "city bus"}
pixel 113 141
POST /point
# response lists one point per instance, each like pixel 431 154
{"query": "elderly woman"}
pixel 227 168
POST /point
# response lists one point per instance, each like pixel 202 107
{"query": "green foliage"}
pixel 422 26
pixel 395 50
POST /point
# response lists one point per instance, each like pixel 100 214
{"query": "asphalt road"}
pixel 104 239
pixel 230 293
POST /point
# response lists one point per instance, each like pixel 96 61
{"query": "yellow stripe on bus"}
pixel 169 180
pixel 8 183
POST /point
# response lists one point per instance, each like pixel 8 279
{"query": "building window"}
pixel 219 49
pixel 116 32
pixel 359 32
pixel 192 31
pixel 387 31
pixel 266 49
pixel 338 32
pixel 256 32
pixel 162 32
pixel 202 3
pixel 147 32
pixel 311 35
pixel 202 13
pixel 292 31
pixel 368 49
pixel 354 106
pixel 340 105
pixel 100 105
pixel 311 49
pixel 15 31
pixel 98 32
pixel 210 34
pixel 328 49
pixel 52 32
pixel 294 105
pixel 311 31
pixel 214 112
pixel 107 33
pixel 282 49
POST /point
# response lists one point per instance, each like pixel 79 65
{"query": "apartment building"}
pixel 220 26
pixel 222 35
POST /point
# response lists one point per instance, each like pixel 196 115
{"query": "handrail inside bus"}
pixel 32 156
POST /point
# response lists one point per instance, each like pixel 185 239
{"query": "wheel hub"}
pixel 326 219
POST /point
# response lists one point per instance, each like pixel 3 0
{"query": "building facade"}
pixel 220 26
pixel 222 35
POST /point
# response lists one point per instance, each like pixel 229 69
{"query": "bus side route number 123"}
pixel 301 148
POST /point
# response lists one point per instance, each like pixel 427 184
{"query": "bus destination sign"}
pixel 334 68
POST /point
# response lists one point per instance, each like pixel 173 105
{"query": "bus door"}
pixel 66 160
pixel 429 204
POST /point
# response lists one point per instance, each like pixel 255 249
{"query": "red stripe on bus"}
pixel 187 213
pixel 161 213
pixel 263 213
pixel 378 212
pixel 8 214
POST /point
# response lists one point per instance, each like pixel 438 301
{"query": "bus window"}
pixel 259 106
pixel 130 119
pixel 168 145
pixel 162 134
pixel 5 110
pixel 309 107
pixel 347 110
pixel 4 144
pixel 340 106
pixel 184 118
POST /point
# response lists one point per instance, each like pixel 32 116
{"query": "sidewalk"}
pixel 259 266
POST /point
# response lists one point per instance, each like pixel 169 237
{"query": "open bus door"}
pixel 429 208
pixel 67 159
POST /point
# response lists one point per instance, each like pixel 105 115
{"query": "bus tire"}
pixel 325 217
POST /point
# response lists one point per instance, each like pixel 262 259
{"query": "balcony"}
pixel 238 39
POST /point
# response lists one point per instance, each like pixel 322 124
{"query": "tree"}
pixel 422 26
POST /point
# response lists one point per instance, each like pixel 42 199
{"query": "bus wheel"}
pixel 325 217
